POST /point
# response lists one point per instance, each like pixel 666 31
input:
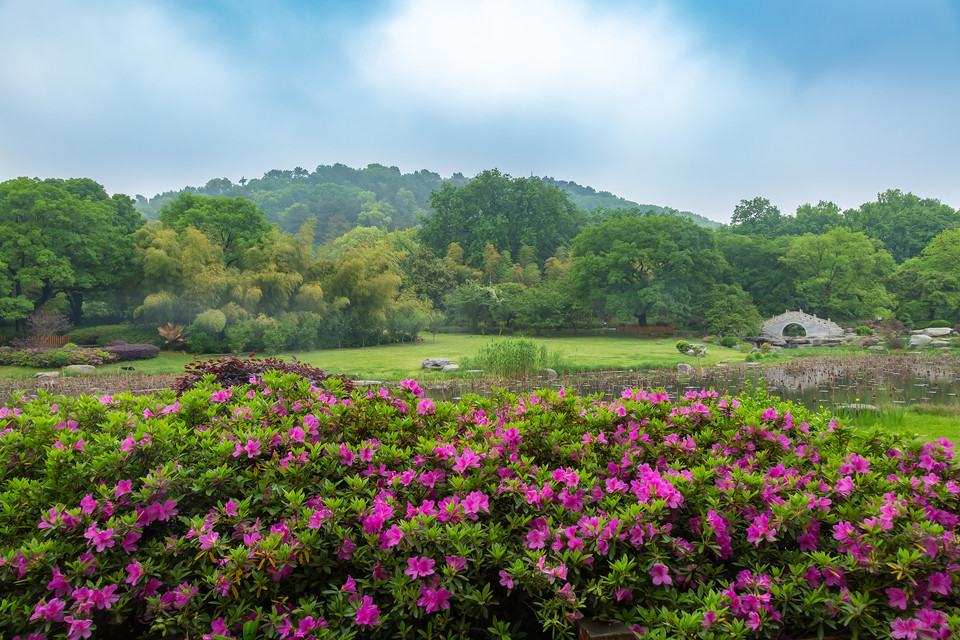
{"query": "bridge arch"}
pixel 813 326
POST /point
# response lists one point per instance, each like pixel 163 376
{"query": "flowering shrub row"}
pixel 124 352
pixel 278 509
pixel 53 357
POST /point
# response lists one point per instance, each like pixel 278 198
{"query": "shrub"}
pixel 863 330
pixel 728 341
pixel 230 372
pixel 683 346
pixel 513 358
pixel 53 357
pixel 124 352
pixel 211 321
pixel 105 333
pixel 273 506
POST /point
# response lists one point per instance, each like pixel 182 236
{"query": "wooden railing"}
pixel 52 342
pixel 650 330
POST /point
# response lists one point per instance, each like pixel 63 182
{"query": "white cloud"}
pixel 74 62
pixel 556 56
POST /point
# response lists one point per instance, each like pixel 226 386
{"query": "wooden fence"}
pixel 650 330
pixel 52 342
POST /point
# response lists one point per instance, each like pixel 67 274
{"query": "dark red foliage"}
pixel 123 352
pixel 232 372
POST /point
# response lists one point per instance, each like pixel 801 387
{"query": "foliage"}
pixel 172 334
pixel 60 236
pixel 513 358
pixel 863 330
pixel 646 267
pixel 124 352
pixel 235 224
pixel 732 315
pixel 272 506
pixel 43 323
pixel 683 346
pixel 230 372
pixel 53 357
pixel 728 342
pixel 504 212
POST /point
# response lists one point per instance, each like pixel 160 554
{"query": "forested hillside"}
pixel 341 198
pixel 495 253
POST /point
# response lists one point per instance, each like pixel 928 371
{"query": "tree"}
pixel 757 216
pixel 235 224
pixel 903 222
pixel 646 267
pixel 928 286
pixel 60 236
pixel 754 265
pixel 507 213
pixel 732 314
pixel 841 274
pixel 813 219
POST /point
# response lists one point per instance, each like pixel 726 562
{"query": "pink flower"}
pixel 897 598
pixel 425 407
pixel 88 504
pixel 104 598
pixel 123 488
pixel 134 573
pixel 78 628
pixel 129 544
pixel 661 574
pixel 231 508
pixel 162 512
pixel 59 584
pixel 906 629
pixel 368 613
pixel 52 610
pixel 709 617
pixel 465 460
pixel 252 448
pixel 941 583
pixel 505 579
pixel 99 539
pixel 350 585
pixel 434 599
pixel 623 594
pixel 391 537
pixel 419 567
pixel 457 563
pixel 208 539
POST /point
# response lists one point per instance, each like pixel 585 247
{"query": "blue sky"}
pixel 693 104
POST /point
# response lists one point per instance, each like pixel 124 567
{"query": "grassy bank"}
pixel 396 361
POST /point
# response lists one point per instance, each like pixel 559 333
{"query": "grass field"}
pixel 395 361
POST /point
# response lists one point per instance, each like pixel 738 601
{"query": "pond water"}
pixel 817 383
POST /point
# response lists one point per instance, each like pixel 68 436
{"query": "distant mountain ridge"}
pixel 341 197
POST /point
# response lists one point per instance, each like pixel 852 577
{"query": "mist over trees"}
pixel 294 260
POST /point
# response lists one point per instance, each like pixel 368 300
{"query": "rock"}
pixel 877 347
pixel 450 367
pixel 435 363
pixel 590 629
pixel 127 369
pixel 551 374
pixel 476 372
pixel 938 343
pixel 367 383
pixel 46 374
pixel 919 340
pixel 683 368
pixel 80 368
pixel 857 407
pixel 937 332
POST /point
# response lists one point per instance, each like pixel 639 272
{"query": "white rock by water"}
pixel 81 368
pixel 450 367
pixel 919 340
pixel 435 363
pixel 937 332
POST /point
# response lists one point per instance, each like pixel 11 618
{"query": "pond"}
pixel 817 383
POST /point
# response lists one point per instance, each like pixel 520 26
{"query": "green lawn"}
pixel 395 361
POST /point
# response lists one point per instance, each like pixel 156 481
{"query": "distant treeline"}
pixel 489 253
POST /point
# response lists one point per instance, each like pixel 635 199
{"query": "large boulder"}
pixel 46 374
pixel 919 340
pixel 450 367
pixel 80 368
pixel 683 368
pixel 937 332
pixel 435 363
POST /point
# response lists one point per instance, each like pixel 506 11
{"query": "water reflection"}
pixel 814 382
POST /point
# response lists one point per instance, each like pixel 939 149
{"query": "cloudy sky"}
pixel 693 104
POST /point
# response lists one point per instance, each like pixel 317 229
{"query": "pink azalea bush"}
pixel 278 509
pixel 61 357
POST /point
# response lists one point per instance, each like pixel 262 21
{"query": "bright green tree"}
pixel 841 274
pixel 647 267
pixel 236 224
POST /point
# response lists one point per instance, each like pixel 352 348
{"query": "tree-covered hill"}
pixel 341 198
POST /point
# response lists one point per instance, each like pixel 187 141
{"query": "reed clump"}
pixel 514 358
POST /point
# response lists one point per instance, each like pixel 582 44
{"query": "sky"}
pixel 690 104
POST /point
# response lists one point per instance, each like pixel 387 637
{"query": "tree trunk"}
pixel 75 298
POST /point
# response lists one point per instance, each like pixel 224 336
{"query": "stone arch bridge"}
pixel 813 326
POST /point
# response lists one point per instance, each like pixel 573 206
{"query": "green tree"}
pixel 903 222
pixel 496 209
pixel 732 314
pixel 754 265
pixel 235 224
pixel 60 236
pixel 647 267
pixel 757 217
pixel 928 286
pixel 841 274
